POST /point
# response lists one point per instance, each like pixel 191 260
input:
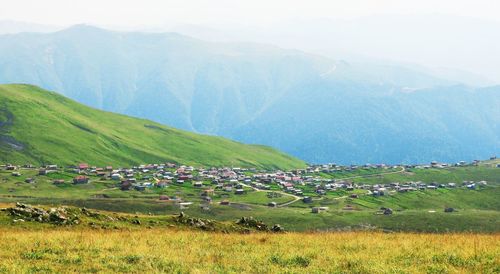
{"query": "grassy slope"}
pixel 172 251
pixel 54 129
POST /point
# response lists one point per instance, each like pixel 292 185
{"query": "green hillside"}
pixel 40 127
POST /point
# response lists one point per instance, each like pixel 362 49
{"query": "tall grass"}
pixel 161 250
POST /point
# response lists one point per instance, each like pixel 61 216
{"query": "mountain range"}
pixel 313 107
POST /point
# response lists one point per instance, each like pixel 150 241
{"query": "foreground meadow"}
pixel 162 250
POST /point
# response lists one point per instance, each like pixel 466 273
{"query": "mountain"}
pixel 313 107
pixel 434 40
pixel 10 27
pixel 39 126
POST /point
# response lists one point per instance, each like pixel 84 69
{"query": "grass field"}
pixel 174 251
pixel 421 211
pixel 42 127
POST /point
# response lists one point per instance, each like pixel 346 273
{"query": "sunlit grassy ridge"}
pixel 172 251
pixel 42 127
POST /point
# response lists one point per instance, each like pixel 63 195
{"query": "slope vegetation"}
pixel 42 127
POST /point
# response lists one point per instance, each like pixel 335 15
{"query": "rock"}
pixel 449 209
pixel 54 215
pixel 136 222
pixel 252 223
pixel 277 228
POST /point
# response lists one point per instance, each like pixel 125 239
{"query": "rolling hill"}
pixel 315 108
pixel 41 127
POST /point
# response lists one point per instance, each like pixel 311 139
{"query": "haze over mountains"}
pixel 456 47
pixel 316 108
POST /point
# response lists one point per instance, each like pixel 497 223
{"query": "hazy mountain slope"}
pixel 315 108
pixel 38 126
pixel 170 78
pixel 349 123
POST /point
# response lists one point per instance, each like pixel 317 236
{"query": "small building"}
pixel 272 204
pixel 307 200
pixel 239 191
pixel 80 180
pixel 125 185
pixel 318 209
pixel 116 176
pixel 224 202
pixel 164 198
pixel 58 182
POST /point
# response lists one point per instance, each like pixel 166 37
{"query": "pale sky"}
pixel 253 12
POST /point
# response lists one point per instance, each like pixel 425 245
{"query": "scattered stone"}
pixel 136 222
pixel 203 224
pixel 250 222
pixel 60 215
pixel 277 228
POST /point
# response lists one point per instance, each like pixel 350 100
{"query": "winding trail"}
pixel 297 198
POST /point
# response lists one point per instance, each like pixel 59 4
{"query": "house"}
pixel 116 176
pixel 224 202
pixel 321 191
pixel 29 180
pixel 307 199
pixel 126 185
pixel 272 204
pixel 162 184
pixel 82 166
pixel 198 184
pixel 354 196
pixel 348 207
pixel 164 198
pixel 318 209
pixel 58 182
pixel 16 174
pixel 80 180
pixel 11 167
pixel 239 191
pixel 42 171
pixel 140 187
pixel 207 192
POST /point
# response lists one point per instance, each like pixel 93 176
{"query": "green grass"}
pixel 477 210
pixel 42 127
pixel 444 175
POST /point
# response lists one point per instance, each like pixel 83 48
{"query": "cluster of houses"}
pixel 332 168
pixel 236 180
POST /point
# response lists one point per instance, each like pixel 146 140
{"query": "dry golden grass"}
pixel 161 250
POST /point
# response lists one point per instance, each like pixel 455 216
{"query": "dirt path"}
pixel 298 198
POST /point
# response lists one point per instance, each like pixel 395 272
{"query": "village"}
pixel 305 185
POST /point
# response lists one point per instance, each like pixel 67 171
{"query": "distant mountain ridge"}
pixel 315 108
pixel 41 127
